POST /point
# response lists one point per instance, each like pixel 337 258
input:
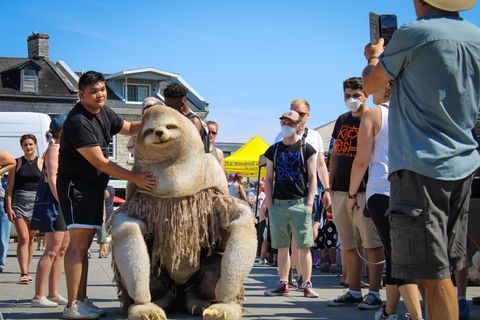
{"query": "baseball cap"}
pixel 57 123
pixel 290 114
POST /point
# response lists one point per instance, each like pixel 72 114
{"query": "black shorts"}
pixel 81 203
pixel 59 224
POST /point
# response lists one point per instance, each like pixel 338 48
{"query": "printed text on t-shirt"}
pixel 346 141
pixel 288 166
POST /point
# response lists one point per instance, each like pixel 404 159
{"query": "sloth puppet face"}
pixel 166 134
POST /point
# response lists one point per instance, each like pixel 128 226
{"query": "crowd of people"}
pixel 394 197
pixel 399 181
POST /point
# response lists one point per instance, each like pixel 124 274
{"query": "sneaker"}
pixel 345 300
pixel 43 302
pixel 370 302
pixel 407 316
pixel 380 316
pixel 87 303
pixel 292 282
pixel 78 311
pixel 300 284
pixel 463 309
pixel 59 299
pixel 263 262
pixel 308 290
pixel 280 290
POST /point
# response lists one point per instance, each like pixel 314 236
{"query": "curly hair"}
pixel 354 83
pixel 175 90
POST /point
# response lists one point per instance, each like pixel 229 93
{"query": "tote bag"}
pixel 45 209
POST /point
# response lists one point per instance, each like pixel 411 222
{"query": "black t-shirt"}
pixel 84 129
pixel 291 176
pixel 345 134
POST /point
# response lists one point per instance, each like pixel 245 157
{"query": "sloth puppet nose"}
pixel 159 133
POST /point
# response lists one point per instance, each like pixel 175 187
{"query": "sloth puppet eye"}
pixel 147 132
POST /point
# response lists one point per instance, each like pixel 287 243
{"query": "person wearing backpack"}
pixel 291 164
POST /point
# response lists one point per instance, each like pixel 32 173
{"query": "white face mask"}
pixel 353 104
pixel 287 131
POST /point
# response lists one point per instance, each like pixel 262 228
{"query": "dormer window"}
pixel 29 80
pixel 137 92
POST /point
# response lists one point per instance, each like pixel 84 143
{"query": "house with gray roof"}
pixel 37 84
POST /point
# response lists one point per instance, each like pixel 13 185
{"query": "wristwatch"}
pixel 352 196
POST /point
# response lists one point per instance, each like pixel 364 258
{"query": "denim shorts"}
pixel 428 219
pixel 287 217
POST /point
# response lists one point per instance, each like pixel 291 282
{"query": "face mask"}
pixel 353 104
pixel 287 131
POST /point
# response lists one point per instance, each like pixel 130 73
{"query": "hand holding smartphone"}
pixel 382 26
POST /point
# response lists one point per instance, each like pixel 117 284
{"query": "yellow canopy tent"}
pixel 245 159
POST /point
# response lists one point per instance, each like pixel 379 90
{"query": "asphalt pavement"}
pixel 15 299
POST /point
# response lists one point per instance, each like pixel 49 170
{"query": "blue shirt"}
pixel 435 62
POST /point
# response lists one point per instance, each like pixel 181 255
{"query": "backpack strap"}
pixel 44 165
pixel 275 150
pixel 203 131
pixel 305 133
pixel 303 151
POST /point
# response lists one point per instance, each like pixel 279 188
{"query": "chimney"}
pixel 38 46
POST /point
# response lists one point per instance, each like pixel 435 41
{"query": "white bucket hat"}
pixel 452 5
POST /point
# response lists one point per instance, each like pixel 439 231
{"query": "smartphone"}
pixel 382 26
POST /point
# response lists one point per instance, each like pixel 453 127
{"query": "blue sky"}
pixel 248 58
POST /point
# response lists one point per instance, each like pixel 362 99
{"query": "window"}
pixel 29 80
pixel 112 148
pixel 137 93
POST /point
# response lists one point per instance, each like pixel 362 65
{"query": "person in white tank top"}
pixel 372 152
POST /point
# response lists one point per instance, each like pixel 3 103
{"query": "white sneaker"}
pixel 59 299
pixel 87 303
pixel 379 315
pixel 78 311
pixel 43 302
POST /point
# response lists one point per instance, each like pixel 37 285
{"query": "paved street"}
pixel 15 299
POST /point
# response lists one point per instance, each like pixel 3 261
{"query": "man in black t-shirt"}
pixel 354 229
pixel 291 163
pixel 83 174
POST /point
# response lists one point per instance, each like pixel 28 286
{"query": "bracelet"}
pixel 372 57
pixel 352 196
pixel 327 190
